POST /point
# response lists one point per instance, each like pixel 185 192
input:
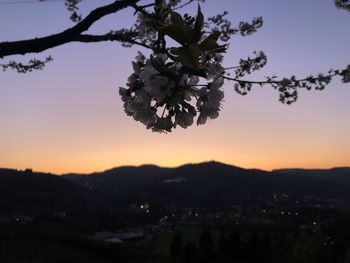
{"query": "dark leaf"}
pixel 176 19
pixel 197 31
pixel 215 35
pixel 208 44
pixel 174 51
pixel 175 32
pixel 189 56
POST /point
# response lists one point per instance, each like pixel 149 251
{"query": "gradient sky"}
pixel 69 117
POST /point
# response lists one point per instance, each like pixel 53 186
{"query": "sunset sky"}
pixel 69 117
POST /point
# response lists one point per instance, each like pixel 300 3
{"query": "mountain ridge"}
pixel 209 184
pixel 211 163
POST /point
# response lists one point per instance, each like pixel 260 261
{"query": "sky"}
pixel 69 117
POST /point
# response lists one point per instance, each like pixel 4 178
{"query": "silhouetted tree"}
pixel 279 247
pixel 176 246
pixel 308 248
pixel 206 244
pixel 234 243
pixel 229 244
pixel 266 246
pixel 190 253
pixel 164 92
pixel 347 255
pixel 253 251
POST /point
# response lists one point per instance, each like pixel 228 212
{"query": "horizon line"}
pixel 174 167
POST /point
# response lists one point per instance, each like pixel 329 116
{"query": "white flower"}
pixel 161 58
pixel 136 67
pixel 211 64
pixel 131 106
pixel 187 94
pixel 139 102
pixel 140 58
pixel 142 25
pixel 159 87
pixel 123 93
pixel 148 72
pixel 193 80
pixel 188 84
pixel 202 119
pixel 285 82
pixel 173 3
pixel 133 80
pixel 206 113
pixel 178 66
pixel 184 80
pixel 162 124
pixel 213 69
pixel 209 102
pixel 215 96
pixel 211 112
pixel 128 113
pixel 139 107
pixel 145 116
pixel 142 98
pixel 217 83
pixel 184 119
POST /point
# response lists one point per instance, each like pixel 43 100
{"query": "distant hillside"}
pixel 205 184
pixel 209 184
pixel 38 193
pixel 339 174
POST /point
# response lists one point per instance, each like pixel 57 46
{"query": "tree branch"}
pixel 122 37
pixel 270 81
pixel 37 45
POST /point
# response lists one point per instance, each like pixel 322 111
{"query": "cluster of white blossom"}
pixel 159 94
pixel 211 63
pixel 346 74
pixel 147 23
pixel 144 27
pixel 165 91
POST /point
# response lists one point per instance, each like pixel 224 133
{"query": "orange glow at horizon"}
pixel 263 150
pixel 69 117
pixel 68 167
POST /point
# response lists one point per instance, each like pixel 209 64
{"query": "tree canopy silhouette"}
pixel 177 82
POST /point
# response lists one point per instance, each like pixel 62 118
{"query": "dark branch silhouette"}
pixel 112 36
pixel 37 45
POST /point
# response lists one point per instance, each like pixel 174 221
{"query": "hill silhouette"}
pixel 339 174
pixel 27 192
pixel 209 184
pixel 204 184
